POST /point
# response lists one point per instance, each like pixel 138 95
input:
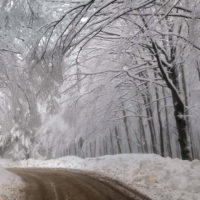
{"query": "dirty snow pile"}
pixel 159 178
pixel 10 185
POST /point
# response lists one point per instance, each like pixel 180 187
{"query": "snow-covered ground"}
pixel 159 178
pixel 10 185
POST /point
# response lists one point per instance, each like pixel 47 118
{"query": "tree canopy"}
pixel 94 77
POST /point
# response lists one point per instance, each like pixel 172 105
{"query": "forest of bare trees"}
pixel 95 77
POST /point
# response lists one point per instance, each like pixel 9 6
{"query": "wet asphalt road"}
pixel 54 184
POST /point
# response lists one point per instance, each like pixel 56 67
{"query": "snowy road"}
pixel 46 184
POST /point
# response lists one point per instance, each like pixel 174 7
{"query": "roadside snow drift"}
pixel 10 186
pixel 159 178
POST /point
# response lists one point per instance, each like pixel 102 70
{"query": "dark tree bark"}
pixel 169 148
pixel 162 148
pixel 179 107
pixel 187 112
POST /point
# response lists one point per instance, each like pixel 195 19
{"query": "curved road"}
pixel 54 184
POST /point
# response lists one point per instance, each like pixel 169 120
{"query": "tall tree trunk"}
pixel 117 140
pixel 95 148
pixel 127 131
pixel 181 123
pixel 105 142
pixel 173 84
pixel 180 117
pixel 150 123
pixel 199 145
pixel 142 130
pixel 143 135
pixel 111 143
pixel 148 105
pixel 189 128
pixel 179 107
pixel 90 144
pixel 169 147
pixel 198 70
pixel 162 148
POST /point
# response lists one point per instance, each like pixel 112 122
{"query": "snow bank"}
pixel 10 185
pixel 159 178
pixel 64 162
